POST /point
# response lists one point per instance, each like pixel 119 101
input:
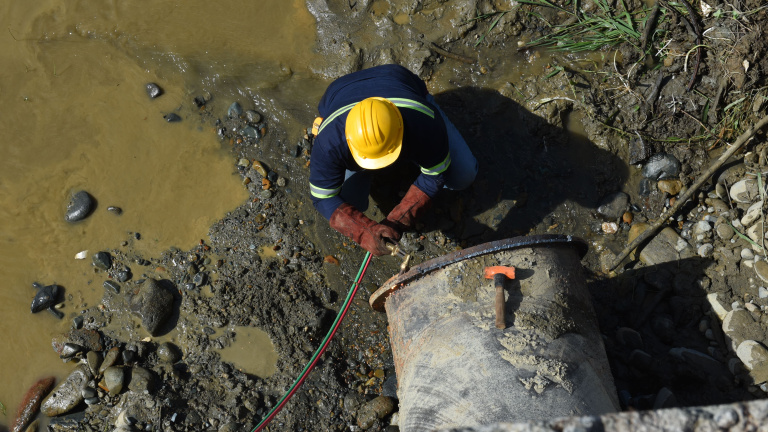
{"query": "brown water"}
pixel 75 116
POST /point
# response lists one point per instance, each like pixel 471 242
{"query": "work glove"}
pixel 370 235
pixel 412 206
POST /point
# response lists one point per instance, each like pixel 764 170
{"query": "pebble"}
pixel 744 191
pixel 281 181
pixel 168 353
pixel 109 359
pixel 378 408
pixel 252 116
pixel 79 206
pixel 123 276
pixel 639 151
pixel 115 210
pixel 610 227
pixel 724 232
pixel 661 166
pixel 706 250
pixel 93 360
pixel 761 268
pixel 671 187
pixel 102 260
pixel 762 292
pixel 142 380
pixel 172 118
pixel 235 110
pixel 753 213
pixel 265 194
pixel 113 379
pixel 153 90
pixel 613 206
pixel 250 132
pixel 112 285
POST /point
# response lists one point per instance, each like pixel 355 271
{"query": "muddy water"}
pixel 75 116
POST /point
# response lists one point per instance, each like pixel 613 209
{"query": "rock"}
pixel 701 229
pixel 634 231
pixel 152 304
pixel 754 355
pixel 110 358
pixel 90 340
pixel 30 404
pixel 738 326
pixel 641 360
pixel 142 380
pixel 664 399
pixel 252 116
pixel 726 418
pixel 610 227
pixel 661 166
pixel 672 187
pixel 102 260
pixel 114 377
pixel 68 394
pixel 613 206
pixel 115 210
pixel 123 276
pixel 153 90
pixel 762 292
pixel 745 191
pixel 112 285
pixel 717 307
pixel 638 151
pixel 753 213
pixel 629 338
pixel 80 205
pixel 706 250
pixel 168 353
pixel 235 110
pixel 698 360
pixel 250 132
pixel 724 232
pixel 755 233
pixel 172 118
pixel 761 269
pixel 93 360
pixel 719 207
pixel 378 408
pixel 667 246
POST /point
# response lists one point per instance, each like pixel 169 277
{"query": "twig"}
pixel 687 195
pixel 697 29
pixel 649 26
pixel 450 54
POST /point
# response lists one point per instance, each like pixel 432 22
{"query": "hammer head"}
pixel 490 272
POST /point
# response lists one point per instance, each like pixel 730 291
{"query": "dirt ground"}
pixel 687 84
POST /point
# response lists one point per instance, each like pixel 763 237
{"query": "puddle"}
pixel 76 116
pixel 251 352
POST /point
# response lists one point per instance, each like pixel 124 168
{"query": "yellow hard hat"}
pixel 374 132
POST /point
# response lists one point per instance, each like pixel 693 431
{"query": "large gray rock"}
pixel 153 304
pixel 68 394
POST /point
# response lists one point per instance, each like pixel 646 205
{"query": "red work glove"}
pixel 365 232
pixel 412 206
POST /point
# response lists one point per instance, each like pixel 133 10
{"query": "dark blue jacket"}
pixel 425 141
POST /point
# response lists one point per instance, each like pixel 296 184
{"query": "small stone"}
pixel 79 206
pixel 672 187
pixel 243 162
pixel 172 118
pixel 112 285
pixel 613 206
pixel 627 217
pixel 123 276
pixel 762 292
pixel 745 191
pixel 610 227
pixel 753 213
pixel 629 338
pixel 706 250
pixel 747 254
pixel 761 268
pixel 661 166
pixel 153 90
pixel 109 359
pixel 113 379
pixel 168 353
pixel 142 380
pixel 378 408
pixel 252 116
pixel 115 210
pixel 235 110
pixel 77 322
pixel 724 232
pixel 250 132
pixel 102 260
pixel 281 181
pixel 93 360
pixel 265 194
pixel 716 306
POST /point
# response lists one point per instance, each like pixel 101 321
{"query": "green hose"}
pixel 320 350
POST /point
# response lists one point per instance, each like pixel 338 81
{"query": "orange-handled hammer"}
pixel 499 274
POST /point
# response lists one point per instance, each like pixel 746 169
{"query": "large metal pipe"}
pixel 456 369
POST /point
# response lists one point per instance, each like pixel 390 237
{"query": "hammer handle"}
pixel 498 280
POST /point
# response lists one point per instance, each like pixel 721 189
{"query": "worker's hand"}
pixel 365 232
pixel 403 217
